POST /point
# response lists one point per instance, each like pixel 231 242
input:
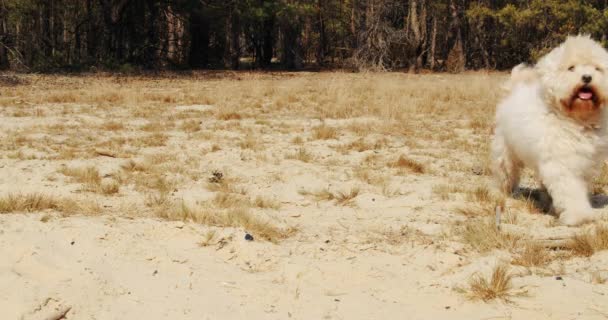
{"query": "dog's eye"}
pixel 598 69
pixel 571 68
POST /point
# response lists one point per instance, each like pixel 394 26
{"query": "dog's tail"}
pixel 521 74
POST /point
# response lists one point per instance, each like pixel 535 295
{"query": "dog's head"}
pixel 575 78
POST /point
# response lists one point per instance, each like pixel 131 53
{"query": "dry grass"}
pixel 92 180
pixel 361 145
pixel 532 255
pixel 208 238
pixel 588 243
pixel 482 235
pixel 35 202
pixel 191 126
pixel 444 191
pixel 341 198
pixel 230 115
pixel 134 118
pixel 266 203
pixel 324 132
pixel 406 163
pixel 234 217
pixel 301 154
pixel 497 286
pixel 601 182
pixel 250 143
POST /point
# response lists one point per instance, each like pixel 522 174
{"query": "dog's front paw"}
pixel 577 217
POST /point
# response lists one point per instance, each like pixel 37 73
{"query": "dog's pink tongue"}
pixel 583 95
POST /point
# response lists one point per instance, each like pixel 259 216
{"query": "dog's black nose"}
pixel 587 78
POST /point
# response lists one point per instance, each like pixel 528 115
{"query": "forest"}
pixel 413 35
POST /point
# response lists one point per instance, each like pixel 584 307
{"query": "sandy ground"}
pixel 393 248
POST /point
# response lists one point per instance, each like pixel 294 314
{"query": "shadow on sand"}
pixel 541 199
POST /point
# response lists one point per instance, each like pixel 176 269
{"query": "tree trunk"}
pixel 199 42
pixel 235 30
pixel 152 45
pixel 456 60
pixel 431 57
pixel 322 40
pixel 4 63
pixel 291 55
pixel 267 45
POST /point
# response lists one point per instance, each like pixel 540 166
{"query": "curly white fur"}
pixel 550 124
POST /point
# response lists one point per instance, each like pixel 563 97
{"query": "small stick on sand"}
pixel 498 213
pixel 105 153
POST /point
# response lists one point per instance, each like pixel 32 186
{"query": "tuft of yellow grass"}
pixel 90 177
pixel 324 132
pixel 406 163
pixel 191 126
pixel 208 238
pixel 250 143
pixel 588 243
pixel 230 115
pixel 341 198
pixel 346 198
pixel 497 286
pixel 301 154
pixel 266 203
pixel 532 255
pixel 482 235
pixel 33 202
pixel 234 217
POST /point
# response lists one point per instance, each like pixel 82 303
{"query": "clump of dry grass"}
pixel 475 210
pixel 249 143
pixel 532 255
pixel 266 203
pixel 324 132
pixel 319 195
pixel 230 115
pixel 346 198
pixel 601 182
pixel 372 177
pixel 90 177
pixel 234 217
pixel 481 194
pixel 218 182
pixel 112 126
pixel 361 145
pixel 588 243
pixel 341 198
pixel 498 286
pixel 482 235
pixel 301 154
pixel 35 202
pixel 156 139
pixel 443 191
pixel 406 163
pixel 229 200
pixel 191 126
pixel 208 238
pixel 136 166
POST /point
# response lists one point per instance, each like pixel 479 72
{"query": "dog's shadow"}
pixel 542 200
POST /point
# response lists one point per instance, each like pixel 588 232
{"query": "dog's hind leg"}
pixel 505 166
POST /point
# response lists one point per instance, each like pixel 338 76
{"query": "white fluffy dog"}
pixel 555 122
